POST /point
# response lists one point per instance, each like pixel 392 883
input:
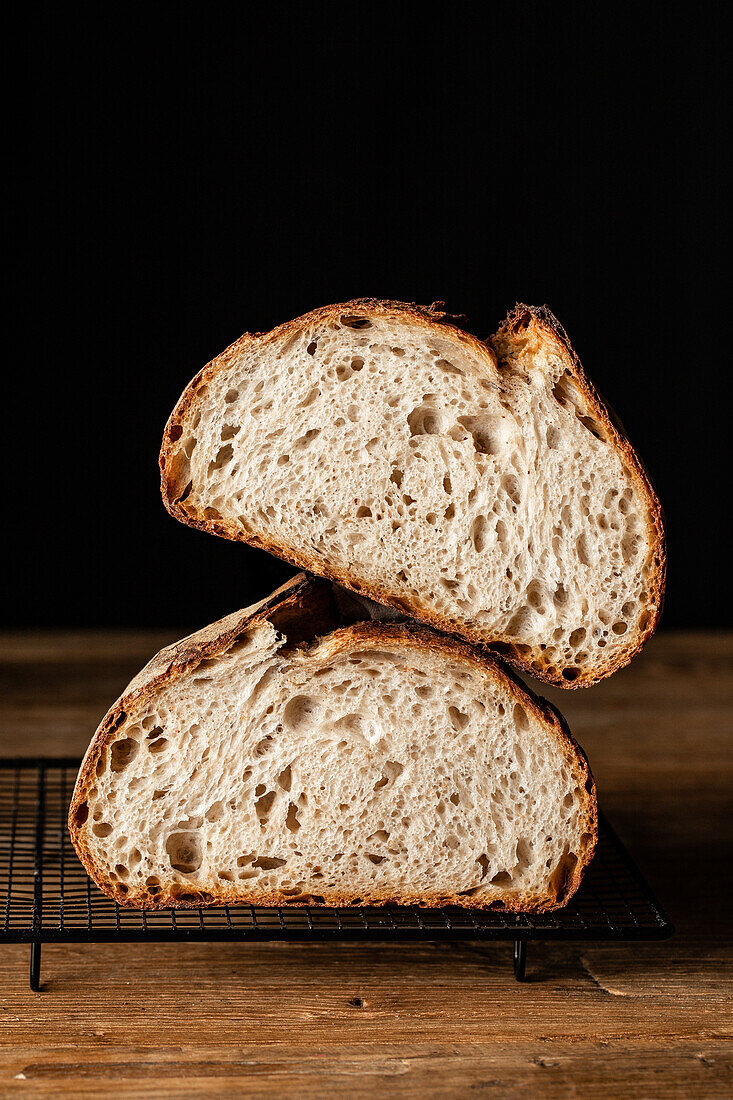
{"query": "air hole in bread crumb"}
pixel 535 597
pixel 502 878
pixel 123 753
pixel 231 396
pixel 304 440
pixel 102 829
pixel 564 391
pixel 620 628
pixel 449 368
pixel 158 745
pixel 224 455
pixel 263 806
pixel 391 771
pixel 562 875
pixel 480 429
pixel 424 420
pixel 300 712
pixel 309 398
pixel 344 371
pixel 183 496
pixel 583 549
pixel 629 547
pixel 593 426
pixel 269 863
pixel 521 719
pixel 458 719
pixel 285 778
pixel 480 533
pixel 184 852
pixel 560 597
pixel 524 853
pixel 483 862
pixel 291 820
pixel 570 674
pixel 81 813
pixel 510 485
pixel 355 322
pixel 177 891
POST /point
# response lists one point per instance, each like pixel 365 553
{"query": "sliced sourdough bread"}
pixel 287 755
pixel 479 487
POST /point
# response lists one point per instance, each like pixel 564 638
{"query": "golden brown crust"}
pixel 546 328
pixel 313 600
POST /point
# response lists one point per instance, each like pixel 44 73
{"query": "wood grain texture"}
pixel 164 1020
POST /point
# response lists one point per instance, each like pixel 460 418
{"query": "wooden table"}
pixel 652 1020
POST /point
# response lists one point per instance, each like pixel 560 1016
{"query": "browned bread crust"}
pixel 524 323
pixel 305 608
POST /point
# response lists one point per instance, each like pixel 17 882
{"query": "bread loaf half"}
pixel 280 756
pixel 479 487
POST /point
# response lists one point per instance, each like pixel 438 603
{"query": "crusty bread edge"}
pixel 549 328
pixel 183 657
pixel 431 318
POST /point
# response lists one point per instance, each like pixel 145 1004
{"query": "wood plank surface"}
pixel 648 1020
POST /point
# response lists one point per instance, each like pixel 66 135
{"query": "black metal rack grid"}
pixel 46 896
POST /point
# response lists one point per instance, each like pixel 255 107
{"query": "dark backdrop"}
pixel 178 185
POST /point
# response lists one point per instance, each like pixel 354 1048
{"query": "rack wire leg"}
pixel 35 967
pixel 520 959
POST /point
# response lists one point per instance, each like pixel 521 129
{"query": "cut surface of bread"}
pixel 480 487
pixel 259 762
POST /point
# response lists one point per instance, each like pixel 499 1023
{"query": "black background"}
pixel 176 185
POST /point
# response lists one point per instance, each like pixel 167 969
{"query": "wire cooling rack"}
pixel 46 896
